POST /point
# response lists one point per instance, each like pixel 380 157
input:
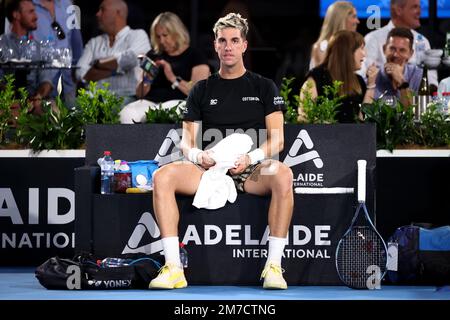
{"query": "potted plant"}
pixel 9 110
pixel 396 127
pixel 161 114
pixel 322 109
pixel 291 101
pixel 56 128
pixel 434 129
pixel 99 105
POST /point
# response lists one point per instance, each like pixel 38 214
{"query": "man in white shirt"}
pixel 406 14
pixel 112 56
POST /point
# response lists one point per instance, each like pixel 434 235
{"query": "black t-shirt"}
pixel 241 103
pixel 349 109
pixel 182 65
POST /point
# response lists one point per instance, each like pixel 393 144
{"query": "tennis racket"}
pixel 361 254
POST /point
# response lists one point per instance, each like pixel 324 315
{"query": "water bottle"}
pixel 437 102
pixel 115 262
pixel 46 51
pixel 51 54
pixel 107 173
pixel 445 102
pixel 183 255
pixel 32 52
pixel 23 50
pixel 420 49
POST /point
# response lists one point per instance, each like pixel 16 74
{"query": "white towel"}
pixel 216 187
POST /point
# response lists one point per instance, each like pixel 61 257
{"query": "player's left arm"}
pixel 275 134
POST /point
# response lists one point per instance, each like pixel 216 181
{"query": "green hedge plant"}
pixel 56 128
pixel 159 114
pixel 99 105
pixel 322 109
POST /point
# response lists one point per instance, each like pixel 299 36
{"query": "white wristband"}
pixel 193 154
pixel 256 155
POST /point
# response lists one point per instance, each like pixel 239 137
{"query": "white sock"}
pixel 276 248
pixel 171 246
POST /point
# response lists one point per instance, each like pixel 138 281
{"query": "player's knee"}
pixel 284 179
pixel 162 177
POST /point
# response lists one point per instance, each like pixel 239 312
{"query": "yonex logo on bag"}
pixel 293 158
pixel 146 224
pixel 169 150
pixel 213 102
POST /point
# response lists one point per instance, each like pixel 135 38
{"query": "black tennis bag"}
pixel 87 273
pixel 423 256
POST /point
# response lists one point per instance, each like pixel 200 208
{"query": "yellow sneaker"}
pixel 170 276
pixel 273 277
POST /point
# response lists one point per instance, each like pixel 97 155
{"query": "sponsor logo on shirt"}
pixel 213 102
pixel 278 100
pixel 250 99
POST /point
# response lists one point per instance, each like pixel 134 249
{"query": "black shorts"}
pixel 239 179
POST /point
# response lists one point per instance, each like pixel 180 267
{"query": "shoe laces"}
pixel 166 268
pixel 274 267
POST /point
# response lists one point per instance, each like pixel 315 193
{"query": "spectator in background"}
pixel 181 65
pixel 406 14
pixel 23 19
pixel 112 56
pixel 341 15
pixel 178 67
pixel 344 57
pixel 398 77
pixel 53 18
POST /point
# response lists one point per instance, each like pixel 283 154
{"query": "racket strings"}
pixel 360 249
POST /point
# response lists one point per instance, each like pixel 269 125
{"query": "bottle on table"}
pixel 107 173
pixel 423 95
pixel 445 102
pixel 420 49
pixel 183 255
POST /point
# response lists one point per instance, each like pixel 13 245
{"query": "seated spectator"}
pixel 52 24
pixel 341 15
pixel 22 17
pixel 344 57
pixel 177 67
pixel 405 14
pixel 398 77
pixel 181 65
pixel 112 56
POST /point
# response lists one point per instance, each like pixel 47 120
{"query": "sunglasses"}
pixel 59 31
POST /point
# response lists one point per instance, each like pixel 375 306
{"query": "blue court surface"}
pixel 21 293
pixel 21 284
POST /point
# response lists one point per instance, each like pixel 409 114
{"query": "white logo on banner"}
pixel 169 150
pixel 56 214
pixel 293 158
pixel 235 235
pixel 146 224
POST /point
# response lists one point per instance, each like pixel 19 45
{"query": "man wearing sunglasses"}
pixel 53 18
pixel 112 56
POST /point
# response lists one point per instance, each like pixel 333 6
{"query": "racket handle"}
pixel 362 164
